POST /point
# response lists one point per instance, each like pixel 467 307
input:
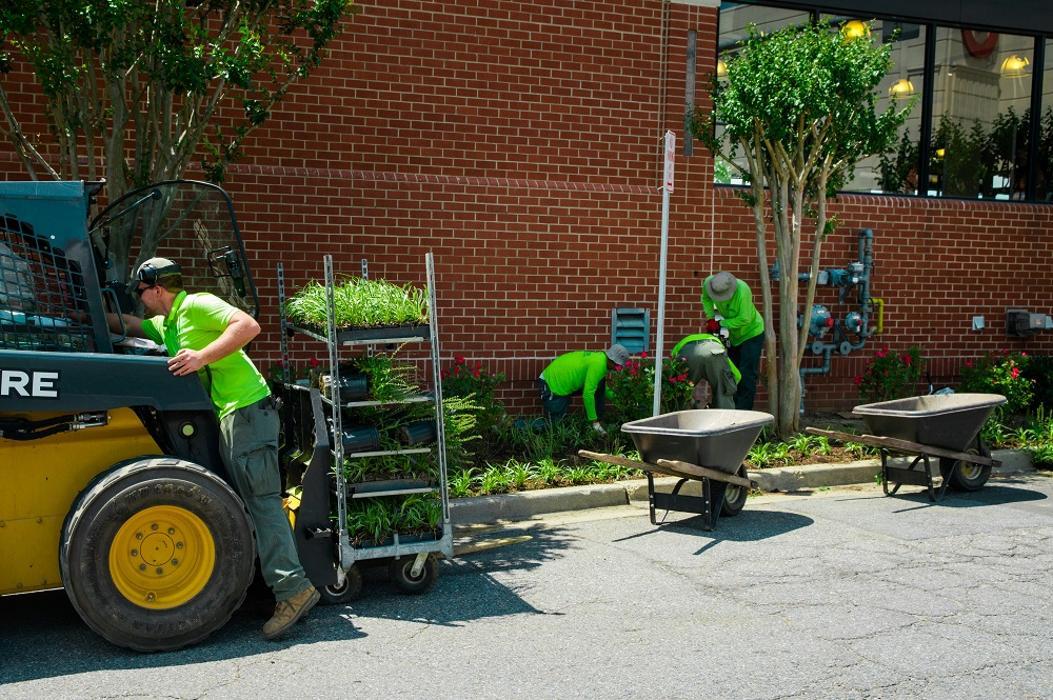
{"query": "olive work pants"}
pixel 708 361
pixel 249 447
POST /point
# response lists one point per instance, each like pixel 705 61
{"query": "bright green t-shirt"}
pixel 194 321
pixel 741 317
pixel 583 371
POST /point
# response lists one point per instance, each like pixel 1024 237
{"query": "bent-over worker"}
pixel 581 372
pixel 707 359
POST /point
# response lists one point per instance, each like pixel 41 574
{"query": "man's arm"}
pixel 133 325
pixel 241 329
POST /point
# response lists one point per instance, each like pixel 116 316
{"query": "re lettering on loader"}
pixel 29 385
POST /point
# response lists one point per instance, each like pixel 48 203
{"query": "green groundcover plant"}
pixel 360 303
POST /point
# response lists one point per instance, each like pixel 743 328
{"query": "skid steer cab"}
pixel 113 484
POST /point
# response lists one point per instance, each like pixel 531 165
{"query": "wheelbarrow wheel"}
pixel 969 476
pixel 343 594
pixel 734 497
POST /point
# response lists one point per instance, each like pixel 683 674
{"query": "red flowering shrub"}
pixel 1001 373
pixel 630 388
pixel 891 375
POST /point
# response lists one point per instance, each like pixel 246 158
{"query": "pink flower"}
pixel 673 380
pixel 458 359
pixel 906 358
pixel 682 377
pixel 314 362
pixel 883 352
pixel 858 379
pixel 968 363
pixel 475 372
pixel 1023 354
pixel 643 355
pixel 1015 372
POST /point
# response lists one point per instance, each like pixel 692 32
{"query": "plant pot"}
pixel 361 438
pixel 418 432
pixel 352 387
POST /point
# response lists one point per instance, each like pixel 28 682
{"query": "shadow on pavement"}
pixel 987 496
pixel 43 637
pixel 747 526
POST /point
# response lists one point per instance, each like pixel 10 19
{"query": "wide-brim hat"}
pixel 721 286
pixel 617 354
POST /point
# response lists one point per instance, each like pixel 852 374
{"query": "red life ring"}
pixel 979 49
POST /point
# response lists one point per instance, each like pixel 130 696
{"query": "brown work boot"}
pixel 287 612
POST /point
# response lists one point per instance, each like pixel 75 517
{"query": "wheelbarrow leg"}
pixel 650 497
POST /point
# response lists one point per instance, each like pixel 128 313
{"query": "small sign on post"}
pixel 670 153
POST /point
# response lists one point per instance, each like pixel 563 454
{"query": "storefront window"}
pixel 1044 157
pixel 895 171
pixel 981 114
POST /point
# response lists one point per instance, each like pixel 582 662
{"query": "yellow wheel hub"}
pixel 162 557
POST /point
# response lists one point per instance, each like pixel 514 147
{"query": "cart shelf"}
pixel 370 336
pixel 388 453
pixel 424 398
pixel 391 487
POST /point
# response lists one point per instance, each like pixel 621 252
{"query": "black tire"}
pixel 968 476
pixel 734 497
pixel 341 595
pixel 168 500
pixel 400 570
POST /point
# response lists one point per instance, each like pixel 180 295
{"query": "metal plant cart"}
pixel 946 427
pixel 680 443
pixel 318 436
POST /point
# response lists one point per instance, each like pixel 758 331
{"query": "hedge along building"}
pixel 521 142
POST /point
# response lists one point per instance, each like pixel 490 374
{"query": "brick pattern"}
pixel 520 142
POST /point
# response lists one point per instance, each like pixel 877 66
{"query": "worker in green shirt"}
pixel 204 335
pixel 707 359
pixel 581 372
pixel 729 301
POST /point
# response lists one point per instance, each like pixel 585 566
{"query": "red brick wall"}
pixel 521 143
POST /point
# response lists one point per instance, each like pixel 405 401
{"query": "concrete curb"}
pixel 528 504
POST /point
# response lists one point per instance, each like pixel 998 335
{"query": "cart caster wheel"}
pixel 734 497
pixel 341 595
pixel 400 572
pixel 968 476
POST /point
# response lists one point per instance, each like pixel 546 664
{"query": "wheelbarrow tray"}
pixel 950 421
pixel 713 437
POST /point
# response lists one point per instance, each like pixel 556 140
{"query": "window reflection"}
pixel 1044 157
pixel 981 114
pixel 897 170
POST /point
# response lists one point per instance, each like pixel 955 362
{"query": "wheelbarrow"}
pixel 704 445
pixel 946 427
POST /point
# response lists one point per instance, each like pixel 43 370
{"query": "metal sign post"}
pixel 667 189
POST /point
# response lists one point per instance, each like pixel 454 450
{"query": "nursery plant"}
pixel 630 388
pixel 1002 373
pixel 360 303
pixel 891 375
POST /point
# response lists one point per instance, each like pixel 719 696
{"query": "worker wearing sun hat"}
pixel 730 301
pixel 580 372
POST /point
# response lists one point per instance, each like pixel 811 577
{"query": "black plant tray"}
pixel 404 538
pixel 387 334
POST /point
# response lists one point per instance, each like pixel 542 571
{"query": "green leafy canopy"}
pixel 134 87
pixel 808 92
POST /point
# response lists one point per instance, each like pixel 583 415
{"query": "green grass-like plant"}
pixel 360 303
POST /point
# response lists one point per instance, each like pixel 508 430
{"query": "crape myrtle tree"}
pixel 797 111
pixel 134 88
